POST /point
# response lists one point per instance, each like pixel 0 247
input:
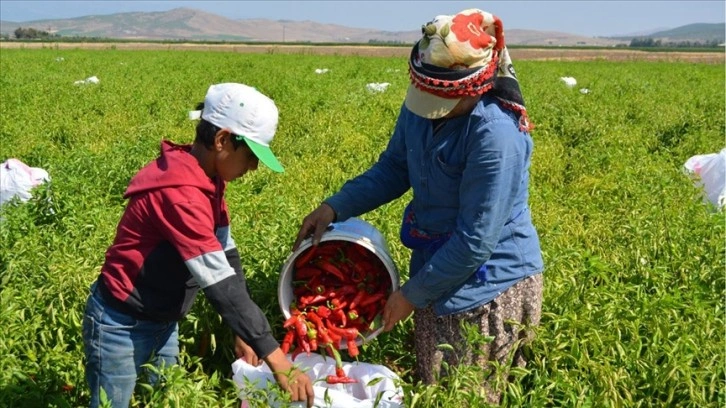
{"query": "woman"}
pixel 462 143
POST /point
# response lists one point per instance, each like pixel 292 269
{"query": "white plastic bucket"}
pixel 352 230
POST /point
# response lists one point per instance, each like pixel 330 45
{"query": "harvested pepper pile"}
pixel 339 290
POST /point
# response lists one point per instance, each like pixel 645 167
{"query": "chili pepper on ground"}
pixel 332 379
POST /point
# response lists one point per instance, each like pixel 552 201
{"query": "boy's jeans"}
pixel 116 345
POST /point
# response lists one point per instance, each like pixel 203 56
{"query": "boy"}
pixel 174 239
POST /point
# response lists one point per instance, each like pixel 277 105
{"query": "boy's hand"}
pixel 243 351
pixel 290 379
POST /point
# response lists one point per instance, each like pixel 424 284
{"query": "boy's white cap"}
pixel 246 113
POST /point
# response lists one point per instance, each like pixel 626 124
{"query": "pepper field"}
pixel 633 314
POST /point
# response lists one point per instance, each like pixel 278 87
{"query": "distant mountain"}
pixel 641 33
pixel 701 32
pixel 195 25
pixel 694 32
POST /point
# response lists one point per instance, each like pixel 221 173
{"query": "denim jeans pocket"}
pixel 107 317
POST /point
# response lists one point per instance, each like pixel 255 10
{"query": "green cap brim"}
pixel 264 154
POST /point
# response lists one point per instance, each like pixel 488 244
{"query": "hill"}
pixel 700 32
pixel 195 25
pixel 694 32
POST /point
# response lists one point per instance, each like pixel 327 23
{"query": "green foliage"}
pixel 634 285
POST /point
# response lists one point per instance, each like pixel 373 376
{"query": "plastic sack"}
pixel 373 381
pixel 709 173
pixel 376 87
pixel 90 80
pixel 569 81
pixel 17 179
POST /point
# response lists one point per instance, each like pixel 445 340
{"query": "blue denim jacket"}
pixel 470 181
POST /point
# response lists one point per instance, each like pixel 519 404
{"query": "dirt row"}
pixel 541 54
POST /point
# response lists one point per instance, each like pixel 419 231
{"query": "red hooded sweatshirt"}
pixel 173 239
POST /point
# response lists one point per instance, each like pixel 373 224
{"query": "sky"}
pixel 584 17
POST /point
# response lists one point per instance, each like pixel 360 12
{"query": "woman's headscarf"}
pixel 458 56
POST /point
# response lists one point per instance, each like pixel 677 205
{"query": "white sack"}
pixel 90 80
pixel 377 87
pixel 17 179
pixel 569 81
pixel 709 173
pixel 356 395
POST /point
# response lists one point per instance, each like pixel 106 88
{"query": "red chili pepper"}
pixel 301 328
pixel 290 321
pixel 304 343
pixel 296 353
pixel 341 317
pixel 358 297
pixel 334 337
pixel 323 312
pixel 352 315
pixel 352 347
pixel 345 333
pixel 331 269
pixel 332 379
pixel 287 341
pixel 305 257
pixel 307 272
pixel 337 304
pixel 372 299
pixel 312 299
pixel 342 291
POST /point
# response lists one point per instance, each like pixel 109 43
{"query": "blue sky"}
pixel 585 17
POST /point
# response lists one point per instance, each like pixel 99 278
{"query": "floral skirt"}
pixel 507 321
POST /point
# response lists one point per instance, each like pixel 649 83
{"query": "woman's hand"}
pixel 315 224
pixel 243 351
pixel 396 309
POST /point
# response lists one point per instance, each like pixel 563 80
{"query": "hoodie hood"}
pixel 174 167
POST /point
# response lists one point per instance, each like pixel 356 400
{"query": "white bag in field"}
pixel 569 81
pixel 17 179
pixel 377 87
pixel 373 381
pixel 709 173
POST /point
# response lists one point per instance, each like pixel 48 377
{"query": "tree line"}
pixel 656 43
pixel 32 34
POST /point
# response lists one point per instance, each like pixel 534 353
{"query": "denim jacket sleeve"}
pixel 497 154
pixel 385 181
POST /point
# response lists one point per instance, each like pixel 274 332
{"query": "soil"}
pixel 541 54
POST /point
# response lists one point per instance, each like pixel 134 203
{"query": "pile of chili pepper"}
pixel 339 290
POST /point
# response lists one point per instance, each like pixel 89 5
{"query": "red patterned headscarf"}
pixel 458 56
